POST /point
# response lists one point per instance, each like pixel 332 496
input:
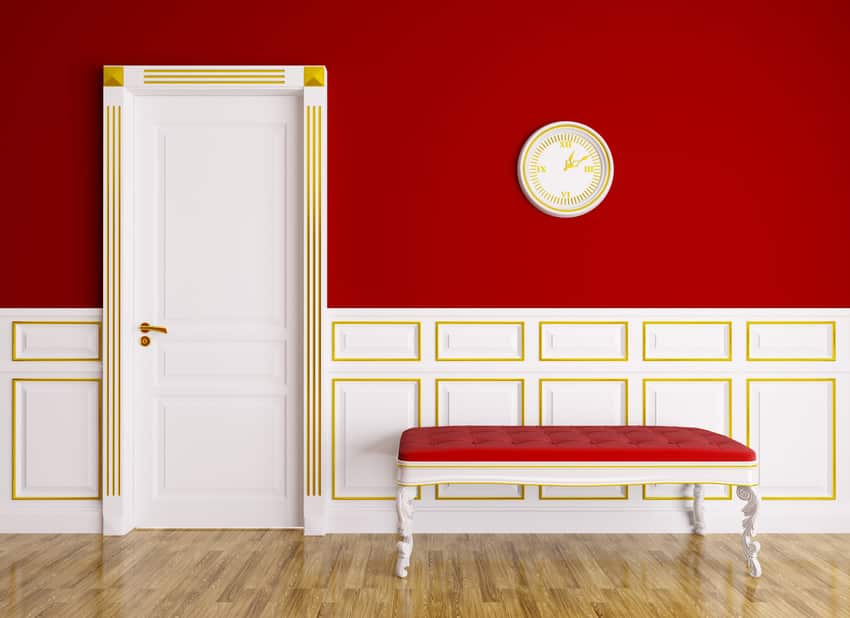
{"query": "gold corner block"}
pixel 113 76
pixel 314 76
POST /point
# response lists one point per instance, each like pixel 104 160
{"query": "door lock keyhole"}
pixel 145 341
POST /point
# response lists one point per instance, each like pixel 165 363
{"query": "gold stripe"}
pixel 210 81
pixel 490 359
pixel 15 495
pixel 693 359
pixel 334 382
pixel 832 495
pixel 418 356
pixel 15 323
pixel 569 466
pixel 313 301
pixel 620 358
pixel 832 357
pixel 275 71
pixel 112 310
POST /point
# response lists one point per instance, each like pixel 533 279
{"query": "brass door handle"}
pixel 145 327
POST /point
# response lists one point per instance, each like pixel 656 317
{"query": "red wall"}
pixel 729 124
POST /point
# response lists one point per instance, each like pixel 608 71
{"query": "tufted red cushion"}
pixel 568 443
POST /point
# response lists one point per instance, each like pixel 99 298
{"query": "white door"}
pixel 216 249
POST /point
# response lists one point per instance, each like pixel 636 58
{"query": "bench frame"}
pixel 744 474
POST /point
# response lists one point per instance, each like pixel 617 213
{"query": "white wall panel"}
pixel 687 341
pixel 584 401
pixel 792 425
pixel 480 341
pixel 584 341
pixel 55 436
pixel 56 341
pixel 688 402
pixel 791 341
pixel 368 418
pixel 481 401
pixel 376 341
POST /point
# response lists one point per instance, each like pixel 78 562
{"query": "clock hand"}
pixel 571 164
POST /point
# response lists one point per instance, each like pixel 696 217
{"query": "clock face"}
pixel 565 169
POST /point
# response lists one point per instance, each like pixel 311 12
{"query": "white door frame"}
pixel 121 84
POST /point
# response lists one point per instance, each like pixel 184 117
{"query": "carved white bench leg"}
pixel 699 510
pixel 751 547
pixel 404 508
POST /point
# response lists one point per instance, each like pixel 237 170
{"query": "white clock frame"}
pixel 551 210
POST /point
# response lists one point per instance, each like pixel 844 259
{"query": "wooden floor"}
pixel 282 573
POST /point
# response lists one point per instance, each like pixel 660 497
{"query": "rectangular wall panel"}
pixel 56 341
pixel 480 401
pixel 369 415
pixel 584 401
pixel 688 402
pixel 55 439
pixel 791 341
pixel 791 424
pixel 584 341
pixel 376 341
pixel 480 341
pixel 687 341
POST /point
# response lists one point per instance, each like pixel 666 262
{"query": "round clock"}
pixel 565 169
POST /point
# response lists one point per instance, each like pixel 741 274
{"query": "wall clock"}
pixel 565 169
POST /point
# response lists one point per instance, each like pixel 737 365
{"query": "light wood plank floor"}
pixel 282 573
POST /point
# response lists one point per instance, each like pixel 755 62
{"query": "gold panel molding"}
pixel 692 359
pixel 334 382
pixel 516 359
pixel 16 358
pixel 373 359
pixel 625 382
pixel 437 383
pixel 831 357
pixel 15 495
pixel 728 381
pixel 832 382
pixel 624 324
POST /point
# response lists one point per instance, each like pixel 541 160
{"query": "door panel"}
pixel 217 251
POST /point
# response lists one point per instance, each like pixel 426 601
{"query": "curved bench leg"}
pixel 404 509
pixel 751 547
pixel 699 510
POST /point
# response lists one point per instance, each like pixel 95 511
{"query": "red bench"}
pixel 575 456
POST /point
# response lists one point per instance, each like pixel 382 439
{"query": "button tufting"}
pixel 568 443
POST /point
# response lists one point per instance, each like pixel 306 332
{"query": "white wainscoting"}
pixel 50 420
pixel 696 367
